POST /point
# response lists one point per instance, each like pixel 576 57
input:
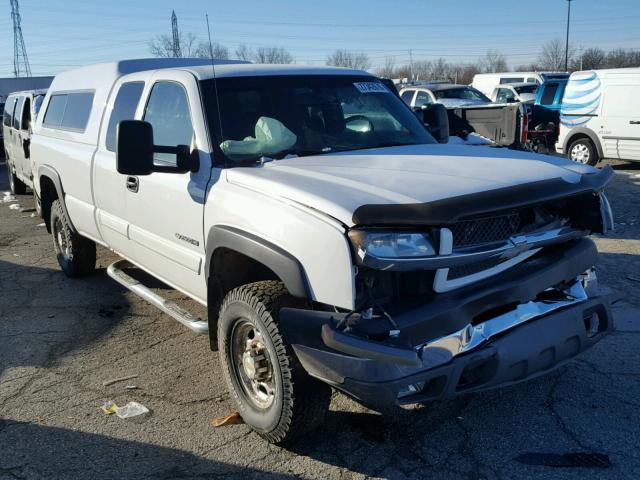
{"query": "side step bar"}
pixel 115 271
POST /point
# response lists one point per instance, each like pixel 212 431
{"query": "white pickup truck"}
pixel 334 241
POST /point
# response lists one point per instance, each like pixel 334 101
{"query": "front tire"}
pixel 76 254
pixel 583 151
pixel 16 185
pixel 274 395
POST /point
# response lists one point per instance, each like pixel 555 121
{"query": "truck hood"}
pixel 337 184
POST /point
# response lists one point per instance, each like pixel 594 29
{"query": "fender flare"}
pixel 586 132
pixel 52 174
pixel 281 262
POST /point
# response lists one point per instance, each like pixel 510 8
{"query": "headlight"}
pixel 392 244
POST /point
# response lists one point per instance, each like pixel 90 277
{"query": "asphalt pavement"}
pixel 60 339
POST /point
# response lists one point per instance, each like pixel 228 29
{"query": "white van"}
pixel 486 82
pixel 19 115
pixel 600 116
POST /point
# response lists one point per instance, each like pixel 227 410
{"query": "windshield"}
pixel 306 115
pixel 463 93
pixel 526 89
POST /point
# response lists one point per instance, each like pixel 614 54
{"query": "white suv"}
pixel 334 241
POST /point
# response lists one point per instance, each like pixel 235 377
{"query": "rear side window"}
pixel 168 112
pixel 17 113
pixel 407 96
pixel 69 111
pixel 549 94
pixel 124 108
pixel 8 112
pixel 423 98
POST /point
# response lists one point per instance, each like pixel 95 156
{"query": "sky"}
pixel 60 35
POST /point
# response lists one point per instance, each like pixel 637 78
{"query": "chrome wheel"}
pixel 63 245
pixel 252 364
pixel 580 153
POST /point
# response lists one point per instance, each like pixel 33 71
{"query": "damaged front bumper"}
pixel 533 337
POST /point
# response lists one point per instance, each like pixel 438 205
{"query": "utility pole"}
pixel 566 46
pixel 21 66
pixel 410 65
pixel 177 52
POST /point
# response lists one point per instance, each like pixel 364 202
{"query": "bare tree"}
pixel 346 58
pixel 162 45
pixel 215 50
pixel 493 62
pixel 272 55
pixel 589 59
pixel 388 69
pixel 552 55
pixel 623 58
pixel 244 53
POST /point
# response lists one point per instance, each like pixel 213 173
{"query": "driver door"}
pixel 165 210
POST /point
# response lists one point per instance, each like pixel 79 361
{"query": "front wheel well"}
pixel 48 195
pixel 230 269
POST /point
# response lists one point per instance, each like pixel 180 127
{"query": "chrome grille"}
pixel 486 230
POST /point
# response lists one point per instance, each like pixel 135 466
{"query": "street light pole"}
pixel 566 46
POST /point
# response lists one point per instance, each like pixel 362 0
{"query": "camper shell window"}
pixel 69 111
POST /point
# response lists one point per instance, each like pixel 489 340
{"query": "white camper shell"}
pixel 600 116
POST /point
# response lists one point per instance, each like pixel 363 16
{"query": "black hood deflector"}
pixel 450 210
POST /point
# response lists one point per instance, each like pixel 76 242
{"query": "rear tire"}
pixel 583 151
pixel 76 254
pixel 274 395
pixel 17 186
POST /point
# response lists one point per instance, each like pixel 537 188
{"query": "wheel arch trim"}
pixel 46 171
pixel 582 131
pixel 287 267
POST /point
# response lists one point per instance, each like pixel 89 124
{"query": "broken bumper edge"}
pixel 525 352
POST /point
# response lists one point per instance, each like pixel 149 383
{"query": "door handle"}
pixel 635 122
pixel 133 184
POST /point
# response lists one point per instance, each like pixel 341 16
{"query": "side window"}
pixel 168 112
pixel 69 111
pixel 77 111
pixel 504 80
pixel 55 110
pixel 422 98
pixel 8 112
pixel 17 113
pixel 124 108
pixel 549 94
pixel 407 96
pixel 38 103
pixel 26 114
pixel 533 80
pixel 504 94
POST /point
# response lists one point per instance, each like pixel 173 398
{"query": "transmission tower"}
pixel 176 35
pixel 21 66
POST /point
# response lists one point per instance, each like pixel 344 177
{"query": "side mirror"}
pixel 134 147
pixel 436 119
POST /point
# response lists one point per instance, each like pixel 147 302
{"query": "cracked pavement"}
pixel 61 338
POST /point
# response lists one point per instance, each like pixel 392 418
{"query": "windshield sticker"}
pixel 371 87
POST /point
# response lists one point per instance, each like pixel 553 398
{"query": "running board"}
pixel 115 271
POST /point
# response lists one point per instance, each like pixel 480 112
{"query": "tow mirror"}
pixel 135 149
pixel 436 119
